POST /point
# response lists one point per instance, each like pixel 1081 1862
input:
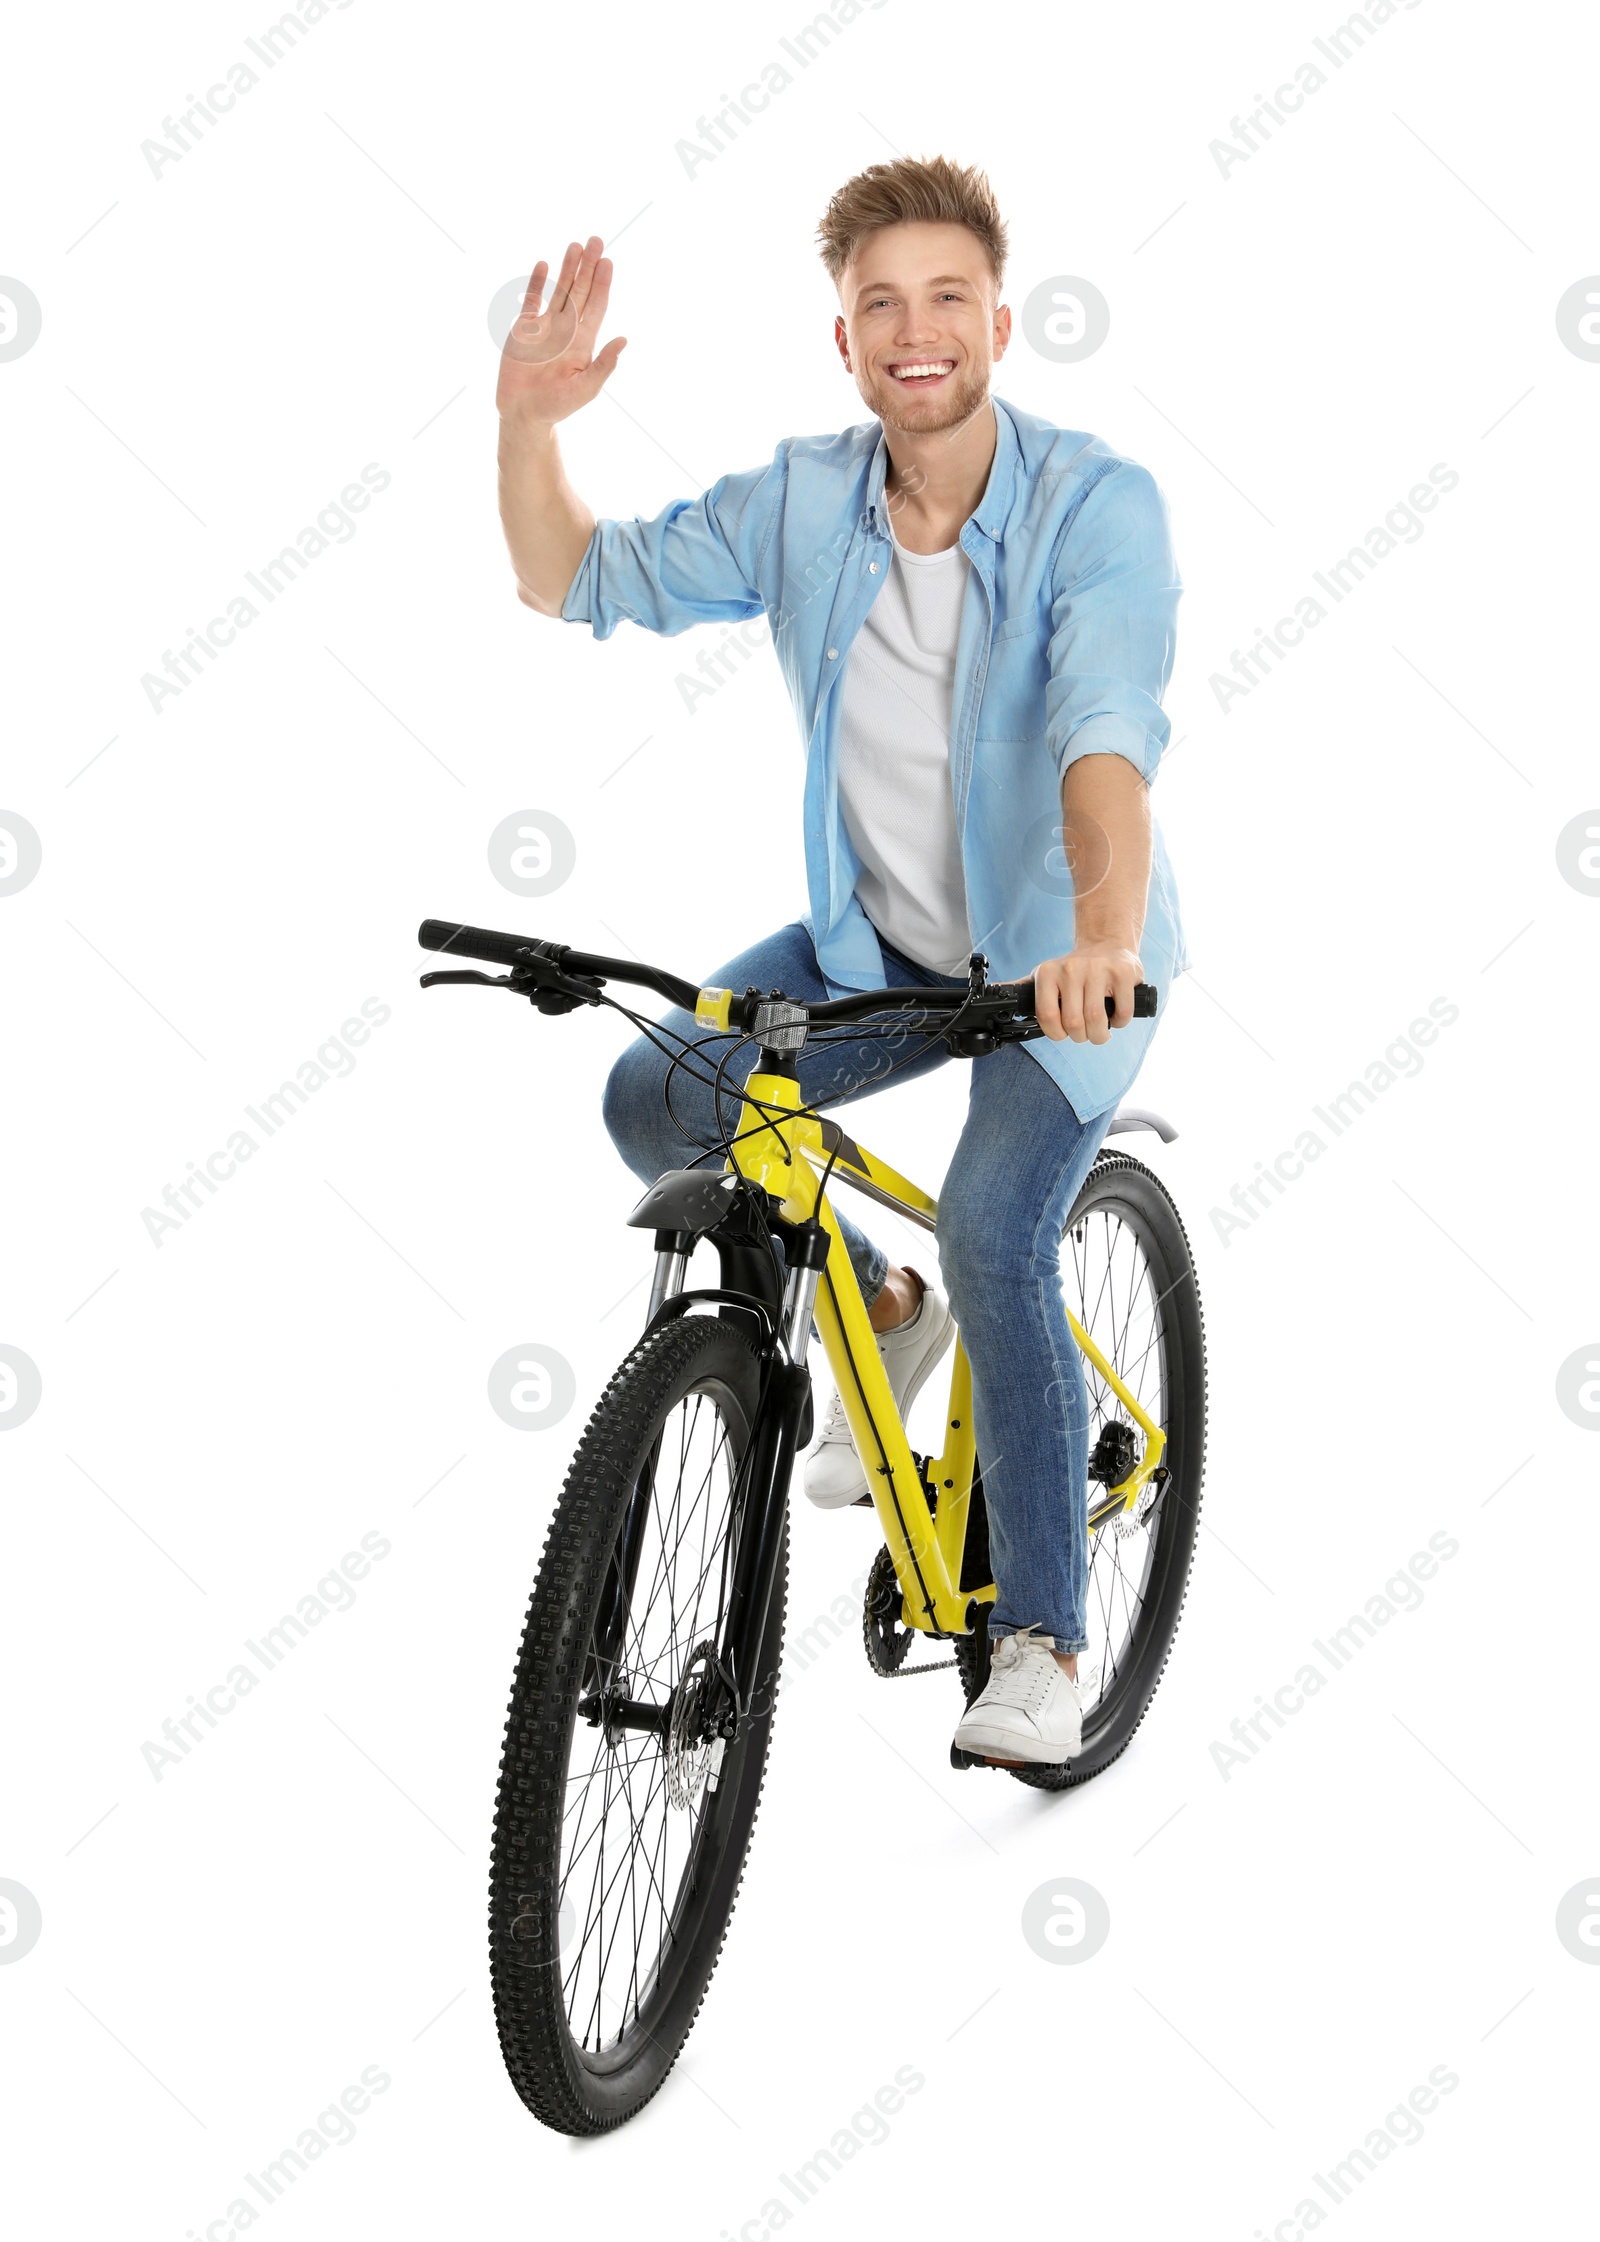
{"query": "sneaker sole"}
pixel 1001 1743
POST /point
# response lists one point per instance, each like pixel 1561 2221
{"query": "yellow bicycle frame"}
pixel 782 1150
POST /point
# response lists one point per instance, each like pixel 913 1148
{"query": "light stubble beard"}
pixel 899 409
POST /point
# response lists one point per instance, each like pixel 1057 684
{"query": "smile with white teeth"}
pixel 933 369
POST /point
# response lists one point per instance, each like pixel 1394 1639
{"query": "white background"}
pixel 303 1361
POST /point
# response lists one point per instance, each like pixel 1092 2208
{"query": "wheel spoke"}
pixel 625 1849
pixel 1118 1304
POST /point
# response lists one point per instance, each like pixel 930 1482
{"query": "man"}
pixel 973 611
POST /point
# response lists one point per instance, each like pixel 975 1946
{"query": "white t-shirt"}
pixel 894 760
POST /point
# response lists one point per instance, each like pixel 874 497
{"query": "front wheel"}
pixel 622 1819
pixel 1128 1277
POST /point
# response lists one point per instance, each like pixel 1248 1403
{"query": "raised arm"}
pixel 548 369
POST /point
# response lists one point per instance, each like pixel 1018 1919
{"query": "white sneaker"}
pixel 1030 1709
pixel 833 1473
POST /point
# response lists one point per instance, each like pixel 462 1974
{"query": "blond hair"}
pixel 911 191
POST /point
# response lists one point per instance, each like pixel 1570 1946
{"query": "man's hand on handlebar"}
pixel 1106 981
pixel 1070 993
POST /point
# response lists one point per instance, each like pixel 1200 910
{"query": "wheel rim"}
pixel 1113 1288
pixel 628 1852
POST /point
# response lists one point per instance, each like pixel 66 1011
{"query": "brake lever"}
pixel 545 986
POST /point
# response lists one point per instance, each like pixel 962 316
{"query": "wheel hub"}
pixel 694 1741
pixel 1129 1522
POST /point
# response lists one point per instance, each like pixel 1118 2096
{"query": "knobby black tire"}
pixel 1140 1199
pixel 568 2087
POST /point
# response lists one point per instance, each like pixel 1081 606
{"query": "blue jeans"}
pixel 1019 1165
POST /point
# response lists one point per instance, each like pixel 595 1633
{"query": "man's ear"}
pixel 842 341
pixel 1002 331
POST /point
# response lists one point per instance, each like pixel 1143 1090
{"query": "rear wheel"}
pixel 1128 1277
pixel 622 1820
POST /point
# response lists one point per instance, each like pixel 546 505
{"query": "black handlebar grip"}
pixel 1020 993
pixel 471 941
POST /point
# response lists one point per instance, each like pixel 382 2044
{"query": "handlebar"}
pixel 558 978
pixel 522 952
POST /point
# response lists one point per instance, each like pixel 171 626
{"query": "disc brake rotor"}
pixel 693 1748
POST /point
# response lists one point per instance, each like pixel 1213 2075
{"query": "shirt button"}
pixel 872 568
pixel 833 653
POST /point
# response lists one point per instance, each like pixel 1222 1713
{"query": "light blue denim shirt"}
pixel 1065 650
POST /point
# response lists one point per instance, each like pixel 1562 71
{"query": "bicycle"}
pixel 641 1708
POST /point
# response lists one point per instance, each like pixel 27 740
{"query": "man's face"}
pixel 921 326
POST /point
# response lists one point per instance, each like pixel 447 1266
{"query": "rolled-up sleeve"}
pixel 1115 590
pixel 698 562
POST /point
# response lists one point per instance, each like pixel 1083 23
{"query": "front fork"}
pixel 672 1259
pixel 769 1460
pixel 806 1257
pixel 764 1472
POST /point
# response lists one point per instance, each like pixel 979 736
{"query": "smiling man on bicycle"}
pixel 974 613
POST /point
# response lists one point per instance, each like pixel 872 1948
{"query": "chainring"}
pixel 888 1640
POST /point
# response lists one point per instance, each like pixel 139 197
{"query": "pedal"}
pixel 959 1758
